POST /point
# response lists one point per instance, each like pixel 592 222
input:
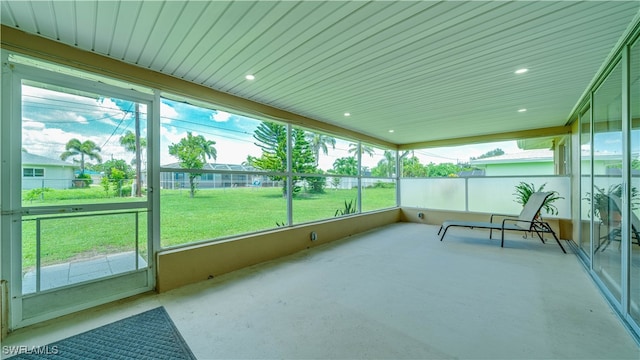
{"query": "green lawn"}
pixel 210 214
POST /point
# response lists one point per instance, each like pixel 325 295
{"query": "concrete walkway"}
pixel 77 271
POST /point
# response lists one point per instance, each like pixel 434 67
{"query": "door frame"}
pixel 87 294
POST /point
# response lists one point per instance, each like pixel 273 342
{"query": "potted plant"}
pixel 524 191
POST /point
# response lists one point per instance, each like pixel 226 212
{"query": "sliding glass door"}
pixel 634 105
pixel 79 208
pixel 608 185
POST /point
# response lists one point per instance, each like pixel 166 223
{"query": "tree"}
pixel 272 139
pixel 88 148
pixel 386 167
pixel 346 166
pixel 442 170
pixel 193 152
pixel 488 154
pixel 134 145
pixel 128 141
pixel 319 142
pixel 411 167
pixel 364 149
pixel 108 166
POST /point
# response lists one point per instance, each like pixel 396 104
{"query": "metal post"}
pixel 137 240
pixel 38 252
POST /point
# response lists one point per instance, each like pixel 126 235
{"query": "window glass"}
pixel 330 188
pixel 379 177
pixel 222 174
pixel 338 198
pixel 634 91
pixel 92 146
pixel 607 180
pixel 378 194
pixel 533 156
pixel 81 146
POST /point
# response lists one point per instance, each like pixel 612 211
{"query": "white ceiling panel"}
pixel 86 37
pixel 429 70
pixel 128 17
pixel 106 17
pixel 143 28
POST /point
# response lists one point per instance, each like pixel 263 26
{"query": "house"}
pixel 227 176
pixel 43 172
pixel 541 162
pixel 383 78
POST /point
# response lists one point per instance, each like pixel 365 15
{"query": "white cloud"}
pixel 167 113
pixel 220 116
pixel 31 124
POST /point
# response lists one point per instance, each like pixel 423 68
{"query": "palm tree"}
pixel 390 159
pixel 319 142
pixel 88 148
pixel 193 151
pixel 130 143
pixel 364 149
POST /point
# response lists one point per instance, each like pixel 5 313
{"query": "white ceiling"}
pixel 428 70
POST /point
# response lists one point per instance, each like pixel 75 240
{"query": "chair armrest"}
pixel 504 215
pixel 516 220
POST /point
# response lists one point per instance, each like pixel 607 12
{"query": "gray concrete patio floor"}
pixel 396 292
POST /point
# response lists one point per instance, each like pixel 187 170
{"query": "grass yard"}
pixel 211 214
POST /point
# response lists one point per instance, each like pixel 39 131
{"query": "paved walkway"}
pixel 73 272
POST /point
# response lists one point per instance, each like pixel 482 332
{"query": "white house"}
pixel 39 171
pixel 540 162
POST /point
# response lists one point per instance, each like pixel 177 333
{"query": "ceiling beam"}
pixel 511 135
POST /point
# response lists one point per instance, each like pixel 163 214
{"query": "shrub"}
pixel 349 208
pixel 83 180
pixel 36 193
pixel 316 184
pixel 383 185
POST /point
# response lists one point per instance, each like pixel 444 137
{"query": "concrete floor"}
pixel 393 293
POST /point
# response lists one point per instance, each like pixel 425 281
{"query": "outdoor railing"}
pixel 117 238
pixel 480 194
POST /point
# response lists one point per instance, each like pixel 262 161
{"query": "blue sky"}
pixel 52 118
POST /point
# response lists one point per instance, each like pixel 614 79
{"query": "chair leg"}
pixel 636 234
pixel 555 237
pixel 443 233
pixel 440 230
pixel 539 236
pixel 502 240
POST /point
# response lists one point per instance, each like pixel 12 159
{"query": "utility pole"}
pixel 138 159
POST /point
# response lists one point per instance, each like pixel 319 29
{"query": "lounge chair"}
pixel 527 221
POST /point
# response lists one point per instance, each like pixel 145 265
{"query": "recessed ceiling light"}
pixel 347 114
pixel 522 110
pixel 250 77
pixel 521 71
pixel 391 130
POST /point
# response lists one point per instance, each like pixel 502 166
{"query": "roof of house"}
pixel 32 159
pixel 537 155
pixel 223 167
